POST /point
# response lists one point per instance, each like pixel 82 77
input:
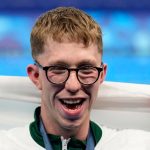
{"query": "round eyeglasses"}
pixel 86 75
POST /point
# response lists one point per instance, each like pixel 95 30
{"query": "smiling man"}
pixel 68 70
pixel 67 49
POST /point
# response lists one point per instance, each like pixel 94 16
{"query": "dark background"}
pixel 19 5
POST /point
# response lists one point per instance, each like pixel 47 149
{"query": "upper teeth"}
pixel 71 101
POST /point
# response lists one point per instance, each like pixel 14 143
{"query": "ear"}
pixel 33 73
pixel 103 73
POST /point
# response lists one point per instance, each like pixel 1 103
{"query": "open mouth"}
pixel 72 103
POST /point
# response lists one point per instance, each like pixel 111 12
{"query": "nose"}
pixel 72 84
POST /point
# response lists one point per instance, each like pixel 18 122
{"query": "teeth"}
pixel 71 101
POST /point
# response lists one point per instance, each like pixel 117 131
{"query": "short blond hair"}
pixel 65 23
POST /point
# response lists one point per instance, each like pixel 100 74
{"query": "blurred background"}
pixel 125 26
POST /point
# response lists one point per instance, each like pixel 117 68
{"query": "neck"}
pixel 79 132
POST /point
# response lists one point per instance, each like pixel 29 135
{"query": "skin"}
pixel 57 120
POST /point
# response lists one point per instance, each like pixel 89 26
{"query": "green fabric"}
pixel 74 144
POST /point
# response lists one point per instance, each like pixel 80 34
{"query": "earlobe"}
pixel 103 73
pixel 33 73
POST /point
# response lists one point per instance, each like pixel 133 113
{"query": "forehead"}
pixel 69 53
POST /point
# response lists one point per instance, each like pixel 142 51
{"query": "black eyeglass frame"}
pixel 99 69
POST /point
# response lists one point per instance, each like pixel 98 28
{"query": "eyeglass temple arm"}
pixel 36 63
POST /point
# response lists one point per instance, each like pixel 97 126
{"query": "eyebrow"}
pixel 87 62
pixel 79 64
pixel 58 63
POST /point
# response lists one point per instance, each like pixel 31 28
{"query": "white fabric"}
pixel 119 105
pixel 20 139
pixel 124 140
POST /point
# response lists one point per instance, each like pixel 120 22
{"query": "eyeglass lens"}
pixel 59 75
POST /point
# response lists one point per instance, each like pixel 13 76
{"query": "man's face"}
pixel 56 98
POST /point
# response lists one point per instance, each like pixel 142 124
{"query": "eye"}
pixel 87 70
pixel 57 70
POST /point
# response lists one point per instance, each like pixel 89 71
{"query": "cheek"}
pixel 46 91
pixel 50 91
pixel 94 92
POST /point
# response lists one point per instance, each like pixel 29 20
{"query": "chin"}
pixel 71 124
